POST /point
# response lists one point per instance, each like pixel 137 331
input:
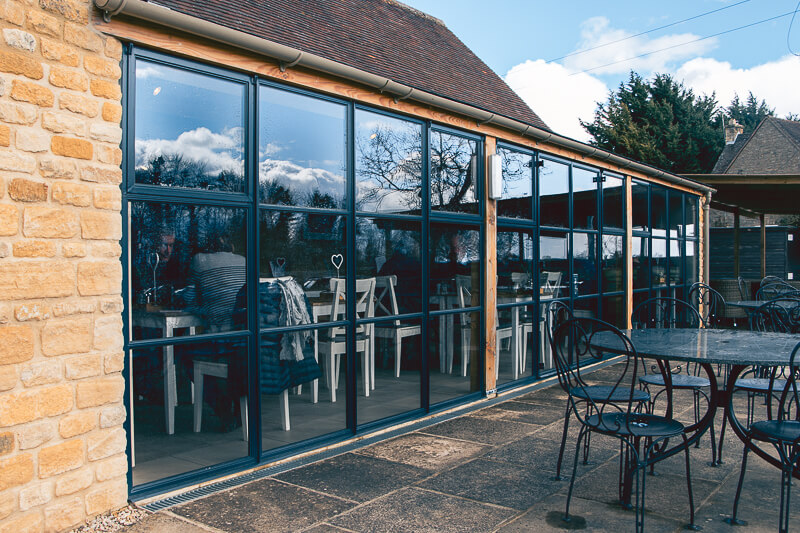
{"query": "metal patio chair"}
pixel 781 429
pixel 618 412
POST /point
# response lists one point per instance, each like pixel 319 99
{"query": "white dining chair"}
pixel 396 330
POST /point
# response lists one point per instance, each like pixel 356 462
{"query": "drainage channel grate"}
pixel 237 481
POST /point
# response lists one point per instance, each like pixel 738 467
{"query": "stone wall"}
pixel 62 444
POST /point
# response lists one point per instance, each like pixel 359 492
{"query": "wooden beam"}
pixel 490 294
pixel 763 247
pixel 628 307
pixel 736 243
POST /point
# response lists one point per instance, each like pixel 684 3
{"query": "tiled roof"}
pixel 383 37
pixel 728 153
pixel 772 148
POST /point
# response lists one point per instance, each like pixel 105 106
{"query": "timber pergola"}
pixel 753 195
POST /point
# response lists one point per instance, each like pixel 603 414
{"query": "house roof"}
pixel 772 148
pixel 384 37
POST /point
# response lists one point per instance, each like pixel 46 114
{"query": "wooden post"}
pixel 490 294
pixel 761 218
pixel 628 307
pixel 736 242
pixel 705 225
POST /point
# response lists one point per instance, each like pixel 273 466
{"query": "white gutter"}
pixel 289 57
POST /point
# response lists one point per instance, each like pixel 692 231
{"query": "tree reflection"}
pixel 452 173
pixel 176 170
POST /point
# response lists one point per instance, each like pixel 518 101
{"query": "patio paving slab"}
pixel 431 452
pixel 587 516
pixel 536 452
pixel 355 477
pixel 414 510
pixel 264 505
pixel 165 523
pixel 482 430
pixel 494 482
pixel 524 412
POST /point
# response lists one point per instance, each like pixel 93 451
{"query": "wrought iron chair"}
pixel 781 429
pixel 709 302
pixel 668 313
pixel 781 289
pixel 617 413
pixel 744 291
pixel 556 313
pixel 766 280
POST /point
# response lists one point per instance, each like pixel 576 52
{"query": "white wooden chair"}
pixel 386 304
pixel 334 342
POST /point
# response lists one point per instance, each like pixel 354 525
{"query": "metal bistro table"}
pixel 708 347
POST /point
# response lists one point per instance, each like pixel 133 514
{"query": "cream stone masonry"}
pixel 62 442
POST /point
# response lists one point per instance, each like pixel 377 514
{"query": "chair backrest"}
pixel 463 291
pixel 780 315
pixel 789 400
pixel 556 313
pixel 744 292
pixel 385 297
pixel 519 278
pixel 665 313
pixel 551 284
pixel 578 342
pixel 780 289
pixel 365 300
pixel 766 280
pixel 709 302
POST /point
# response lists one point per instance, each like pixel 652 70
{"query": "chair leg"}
pixel 733 520
pixel 691 524
pixel 464 352
pixel 284 406
pixel 398 340
pixel 365 369
pixel 786 489
pixel 563 442
pixel 498 345
pixel 245 417
pixel 198 399
pixel 581 435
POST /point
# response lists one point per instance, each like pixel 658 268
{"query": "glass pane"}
pixel 308 247
pixel 641 263
pixel 658 210
pixel 692 264
pixel 584 263
pixel 675 274
pixel 301 151
pixel 585 308
pixel 614 311
pixel 163 420
pixel 517 185
pixel 310 412
pixel 613 263
pixel 554 265
pixel 391 248
pixel 639 205
pixel 516 340
pixel 455 361
pixel 675 214
pixel 690 202
pixel 515 261
pixel 388 164
pixel 613 194
pixel 554 194
pixel 188 269
pixel 395 377
pixel 190 129
pixel 584 198
pixel 454 173
pixel 658 262
pixel 455 268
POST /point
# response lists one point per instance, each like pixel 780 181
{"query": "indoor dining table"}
pixel 708 347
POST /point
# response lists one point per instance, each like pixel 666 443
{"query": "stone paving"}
pixel 488 470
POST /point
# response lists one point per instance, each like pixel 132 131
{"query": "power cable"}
pixel 789 33
pixel 687 42
pixel 577 52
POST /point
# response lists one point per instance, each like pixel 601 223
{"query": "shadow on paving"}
pixel 488 470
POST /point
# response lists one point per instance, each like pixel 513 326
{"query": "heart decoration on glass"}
pixel 278 267
pixel 337 260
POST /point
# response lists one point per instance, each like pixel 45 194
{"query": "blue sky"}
pixel 518 39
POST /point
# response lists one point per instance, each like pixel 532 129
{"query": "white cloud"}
pixel 557 97
pixel 218 151
pixel 301 179
pixel 597 31
pixel 776 82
